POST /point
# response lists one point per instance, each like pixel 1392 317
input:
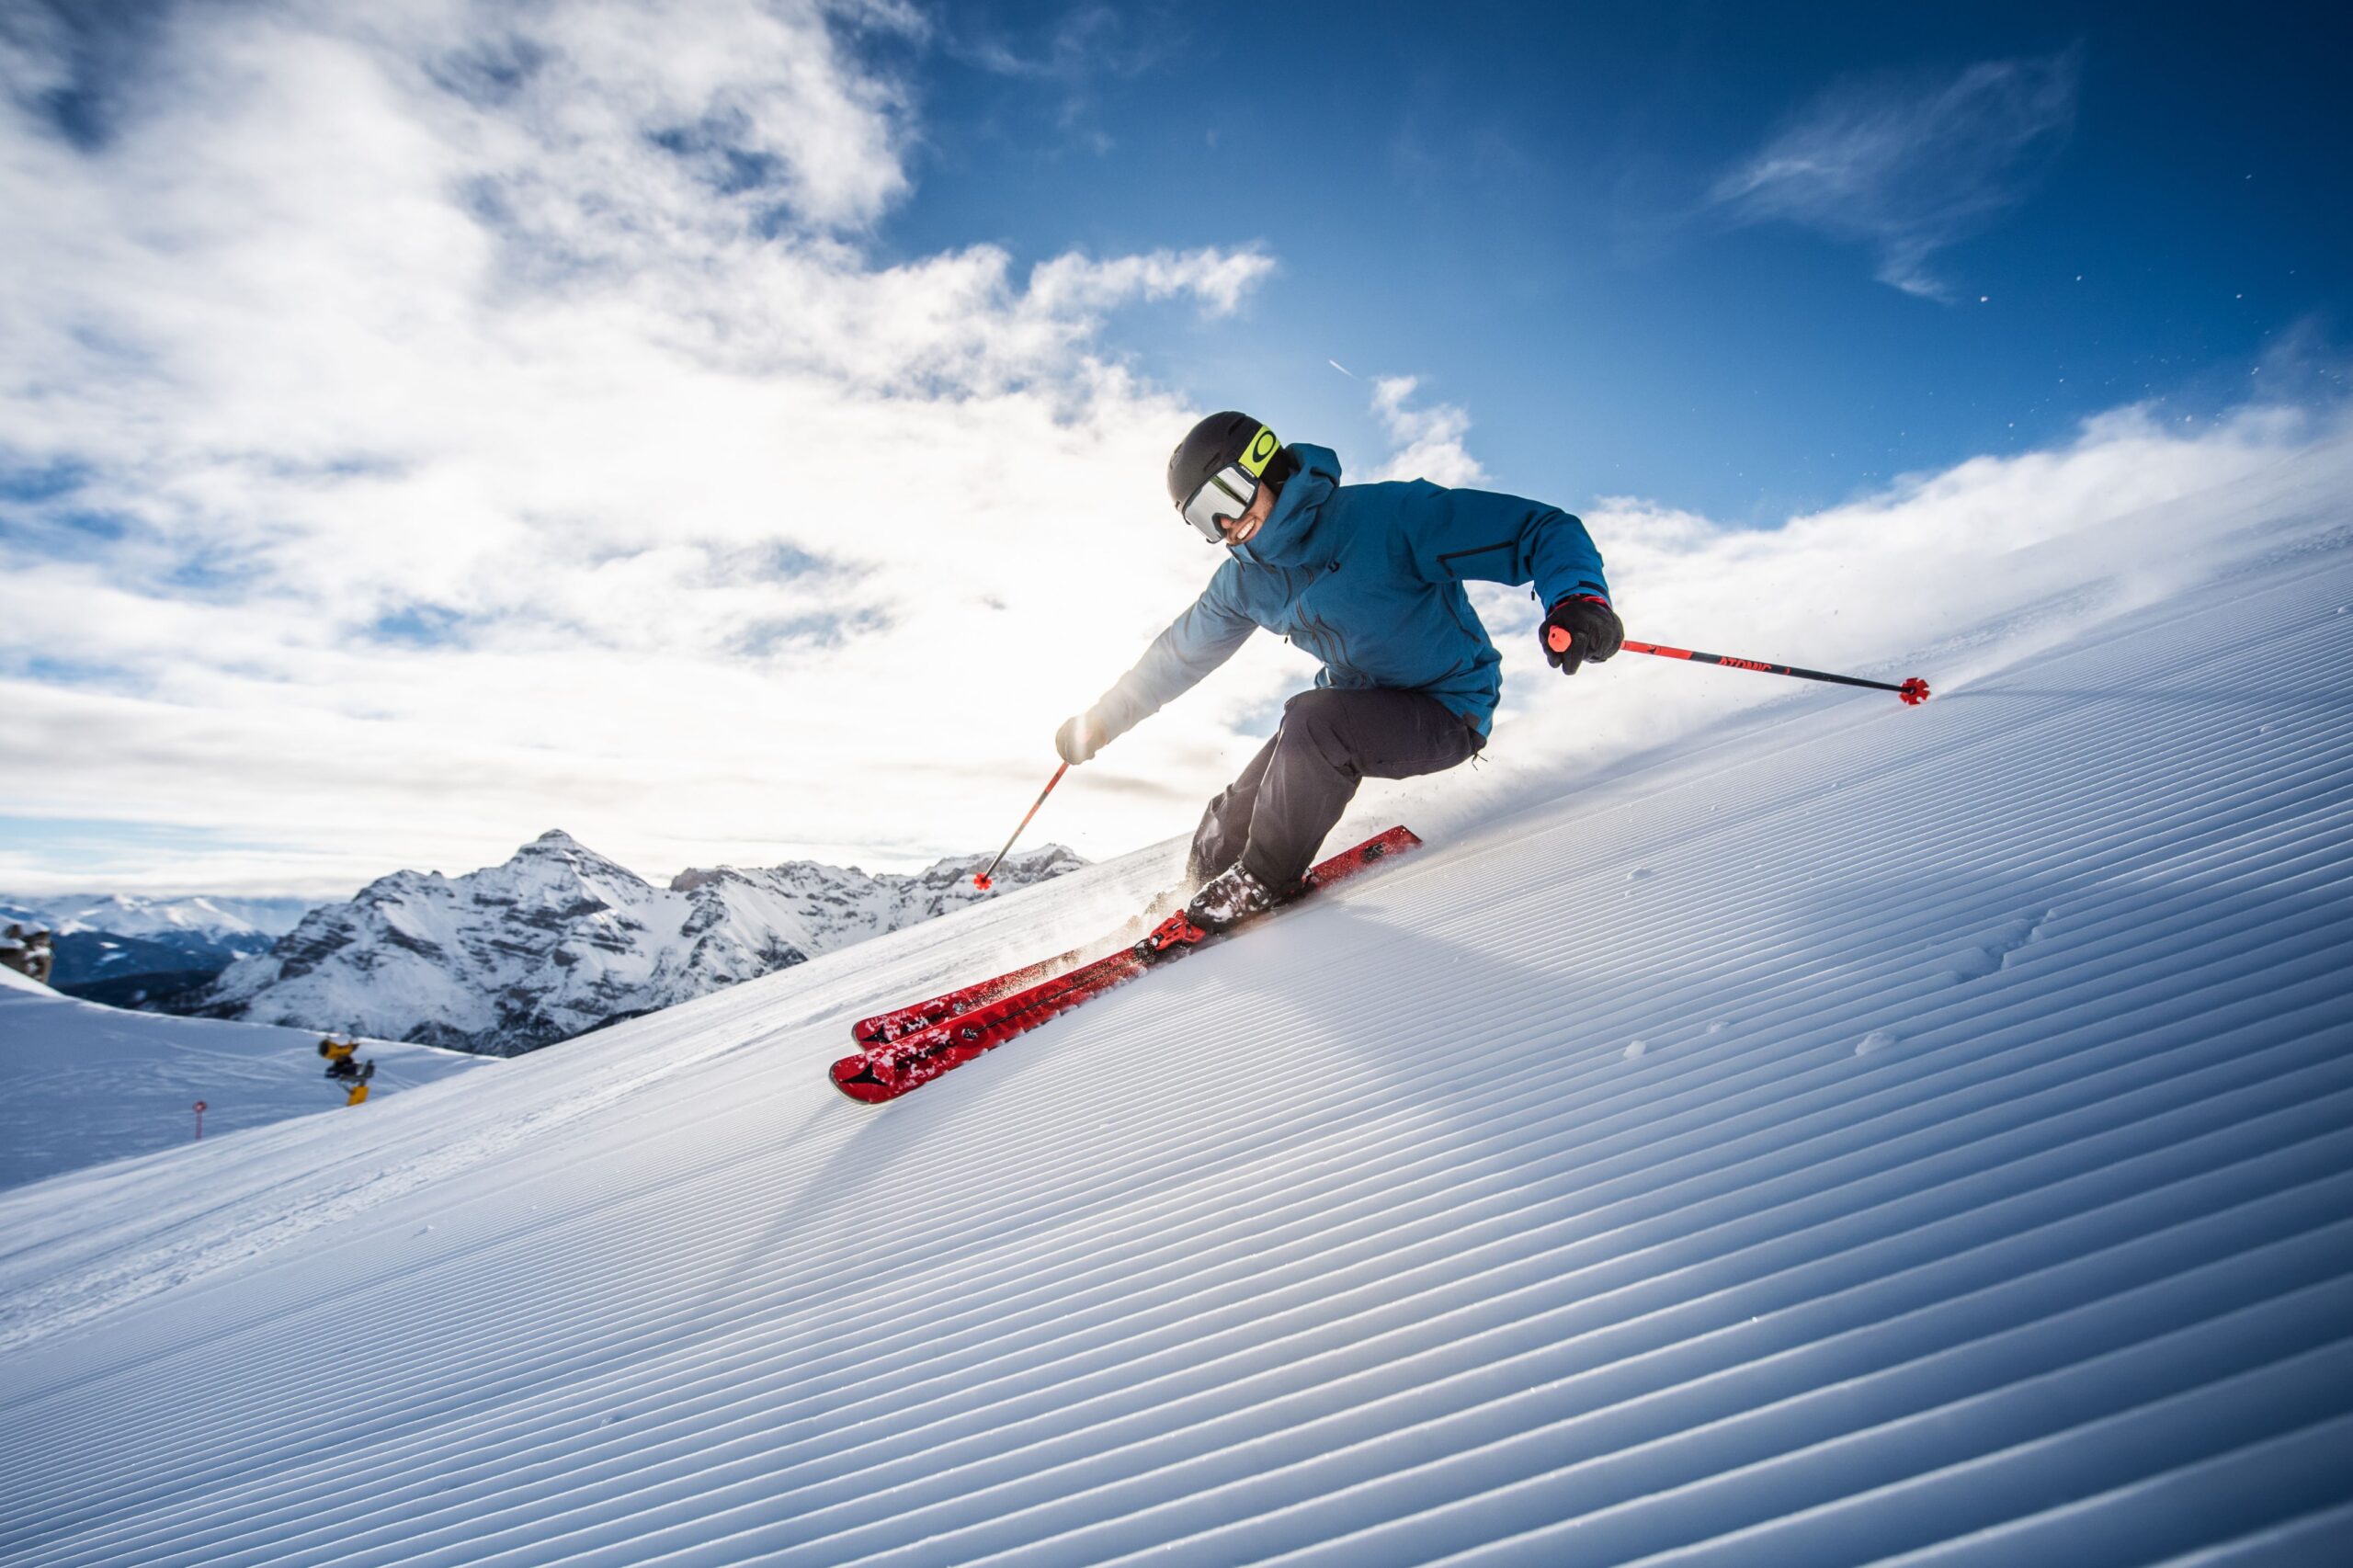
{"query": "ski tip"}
pixel 856 1076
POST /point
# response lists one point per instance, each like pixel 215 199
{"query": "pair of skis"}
pixel 908 1047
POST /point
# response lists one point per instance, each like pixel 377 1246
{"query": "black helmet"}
pixel 1233 449
pixel 1216 441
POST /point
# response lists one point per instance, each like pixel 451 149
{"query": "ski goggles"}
pixel 1230 488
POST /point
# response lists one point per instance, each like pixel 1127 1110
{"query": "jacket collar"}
pixel 1291 535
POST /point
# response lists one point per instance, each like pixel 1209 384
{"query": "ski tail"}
pixel 888 1070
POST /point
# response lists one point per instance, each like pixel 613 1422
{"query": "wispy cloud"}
pixel 1217 279
pixel 1428 441
pixel 1085 42
pixel 1908 167
pixel 1071 56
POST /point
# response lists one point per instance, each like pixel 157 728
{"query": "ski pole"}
pixel 981 879
pixel 1912 691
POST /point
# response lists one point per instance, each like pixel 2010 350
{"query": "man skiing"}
pixel 1368 578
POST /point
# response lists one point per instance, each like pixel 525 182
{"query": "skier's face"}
pixel 1239 530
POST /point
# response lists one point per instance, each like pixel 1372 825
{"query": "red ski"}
pixel 883 1028
pixel 888 1070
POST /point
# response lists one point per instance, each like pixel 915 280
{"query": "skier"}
pixel 1368 578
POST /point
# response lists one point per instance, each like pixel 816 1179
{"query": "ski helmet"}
pixel 1216 469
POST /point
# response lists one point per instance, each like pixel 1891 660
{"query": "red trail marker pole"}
pixel 199 1119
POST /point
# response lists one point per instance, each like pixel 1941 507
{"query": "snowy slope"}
pixel 559 941
pixel 81 1084
pixel 1858 1132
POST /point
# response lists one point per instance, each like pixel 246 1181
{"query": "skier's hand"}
pixel 1078 739
pixel 1580 628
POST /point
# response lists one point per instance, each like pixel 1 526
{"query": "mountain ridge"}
pixel 127 948
pixel 560 939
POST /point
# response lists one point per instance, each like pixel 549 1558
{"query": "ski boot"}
pixel 1228 899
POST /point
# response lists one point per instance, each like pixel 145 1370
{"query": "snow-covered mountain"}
pixel 560 940
pixel 81 1084
pixel 1858 1133
pixel 115 945
pixel 223 920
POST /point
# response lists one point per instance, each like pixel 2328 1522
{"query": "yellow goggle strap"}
pixel 1259 453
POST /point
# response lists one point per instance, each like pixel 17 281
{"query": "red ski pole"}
pixel 1914 691
pixel 981 879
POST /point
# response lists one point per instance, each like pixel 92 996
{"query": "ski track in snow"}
pixel 1868 1132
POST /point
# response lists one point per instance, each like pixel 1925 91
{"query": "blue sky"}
pixel 1513 203
pixel 732 430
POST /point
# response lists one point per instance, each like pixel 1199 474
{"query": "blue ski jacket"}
pixel 1368 578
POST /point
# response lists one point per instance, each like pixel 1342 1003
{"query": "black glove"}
pixel 1580 628
pixel 1079 738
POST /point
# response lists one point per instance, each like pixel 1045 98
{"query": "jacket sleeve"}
pixel 1196 642
pixel 1480 535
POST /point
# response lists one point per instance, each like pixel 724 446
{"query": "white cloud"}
pixel 1909 168
pixel 552 329
pixel 1428 440
pixel 1218 279
pixel 35 50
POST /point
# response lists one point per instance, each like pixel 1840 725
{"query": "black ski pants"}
pixel 1273 818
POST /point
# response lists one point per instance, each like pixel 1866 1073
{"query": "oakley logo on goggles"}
pixel 1228 491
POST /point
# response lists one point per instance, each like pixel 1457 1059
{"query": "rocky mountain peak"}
pixel 558 940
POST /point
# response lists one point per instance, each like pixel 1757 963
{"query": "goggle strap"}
pixel 1259 453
